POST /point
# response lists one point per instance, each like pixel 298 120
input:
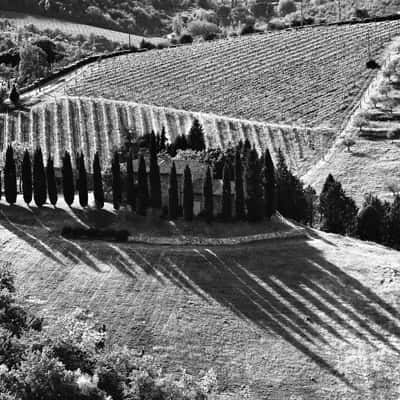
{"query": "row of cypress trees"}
pixel 255 194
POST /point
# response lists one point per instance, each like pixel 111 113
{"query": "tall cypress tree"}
pixel 142 199
pixel 188 195
pixel 155 179
pixel 39 179
pixel 130 183
pixel 10 177
pixel 116 181
pixel 51 182
pixel 269 185
pixel 226 193
pixel 208 197
pixel 98 190
pixel 173 196
pixel 254 189
pixel 240 208
pixel 82 181
pixel 68 179
pixel 163 140
pixel 26 171
pixel 195 140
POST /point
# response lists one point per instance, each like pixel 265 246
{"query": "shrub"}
pixel 286 7
pixel 201 28
pixel 277 24
pixel 186 38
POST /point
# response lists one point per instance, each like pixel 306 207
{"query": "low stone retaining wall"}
pixel 207 241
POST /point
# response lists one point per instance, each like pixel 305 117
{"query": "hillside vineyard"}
pixel 308 76
pixel 74 124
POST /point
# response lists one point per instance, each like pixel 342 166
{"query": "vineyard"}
pixel 90 125
pixel 20 20
pixel 311 76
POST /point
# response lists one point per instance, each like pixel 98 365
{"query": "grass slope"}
pixel 310 76
pixel 372 164
pixel 313 318
pixel 72 28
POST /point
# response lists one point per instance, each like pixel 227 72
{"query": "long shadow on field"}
pixel 290 290
pixel 40 228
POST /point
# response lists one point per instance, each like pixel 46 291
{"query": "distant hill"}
pixel 72 28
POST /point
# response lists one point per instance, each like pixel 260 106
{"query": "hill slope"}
pixel 91 125
pixel 313 318
pixel 72 28
pixel 310 76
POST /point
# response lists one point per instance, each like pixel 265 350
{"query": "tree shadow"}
pixel 285 288
pixel 293 293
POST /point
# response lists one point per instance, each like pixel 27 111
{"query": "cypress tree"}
pixel 142 200
pixel 1 186
pixel 10 177
pixel 155 179
pixel 163 140
pixel 39 179
pixel 26 171
pixel 239 189
pixel 195 140
pixel 226 193
pixel 14 95
pixel 116 181
pixel 68 179
pixel 51 182
pixel 98 191
pixel 208 197
pixel 269 185
pixel 291 197
pixel 254 190
pixel 130 183
pixel 173 196
pixel 82 181
pixel 188 195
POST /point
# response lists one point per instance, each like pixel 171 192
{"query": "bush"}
pixel 286 7
pixel 201 28
pixel 186 39
pixel 277 24
pixel 70 232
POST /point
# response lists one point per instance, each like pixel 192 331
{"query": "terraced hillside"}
pixel 311 76
pixel 91 125
pixel 312 318
pixel 72 28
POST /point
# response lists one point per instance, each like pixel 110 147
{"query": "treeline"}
pixel 254 196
